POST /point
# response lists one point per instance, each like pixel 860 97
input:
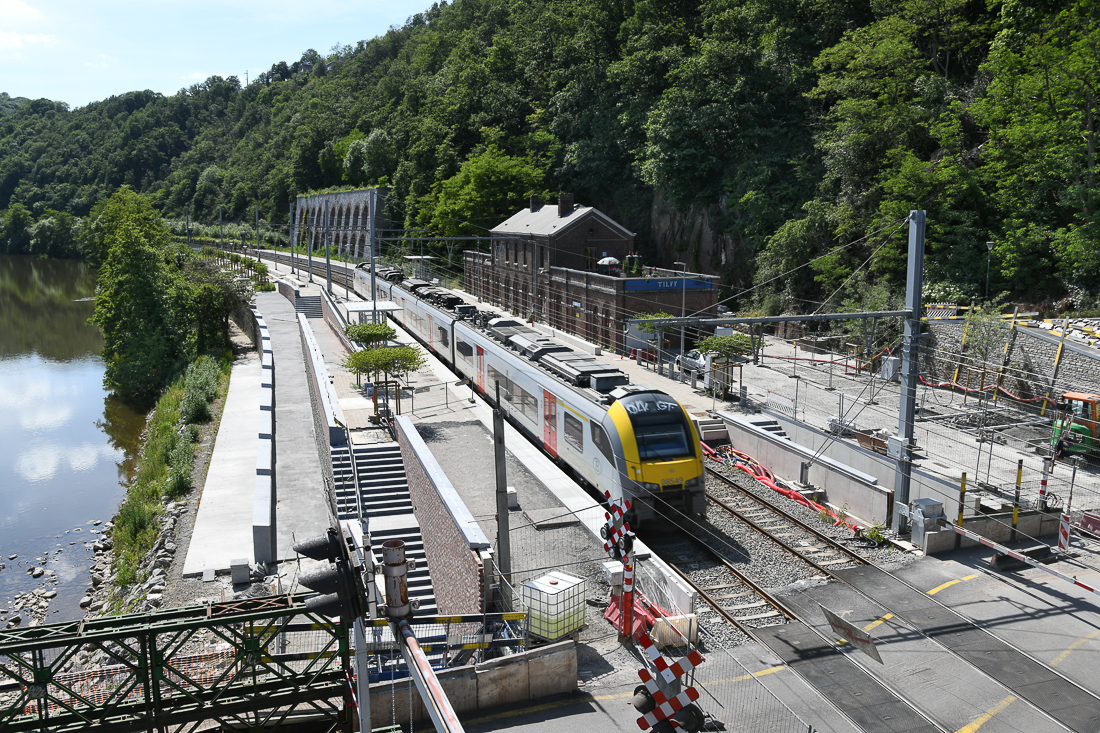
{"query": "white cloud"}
pixel 83 457
pixel 9 40
pixel 12 10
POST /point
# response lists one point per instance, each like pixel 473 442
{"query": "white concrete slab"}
pixel 223 525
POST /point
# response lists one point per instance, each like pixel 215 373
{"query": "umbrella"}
pixel 608 261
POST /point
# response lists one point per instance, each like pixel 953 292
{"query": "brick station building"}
pixel 543 263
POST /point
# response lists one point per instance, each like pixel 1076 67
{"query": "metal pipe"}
pixel 427 684
pixel 395 568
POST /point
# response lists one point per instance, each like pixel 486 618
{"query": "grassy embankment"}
pixel 168 453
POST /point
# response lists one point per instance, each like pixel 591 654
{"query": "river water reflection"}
pixel 66 445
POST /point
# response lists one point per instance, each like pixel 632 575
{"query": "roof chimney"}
pixel 565 204
pixel 536 203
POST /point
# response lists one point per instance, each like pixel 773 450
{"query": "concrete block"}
pixel 263 521
pixel 263 457
pixel 461 687
pixel 553 671
pixel 267 398
pixel 265 425
pixel 503 685
pixel 266 360
pixel 513 498
pixel 240 570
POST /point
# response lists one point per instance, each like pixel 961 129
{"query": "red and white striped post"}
pixel 1064 526
pixel 619 544
pixel 1043 489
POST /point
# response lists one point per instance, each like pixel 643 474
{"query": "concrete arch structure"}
pixel 348 224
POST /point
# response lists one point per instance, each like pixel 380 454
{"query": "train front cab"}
pixel 663 459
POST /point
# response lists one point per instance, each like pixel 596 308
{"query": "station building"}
pixel 543 263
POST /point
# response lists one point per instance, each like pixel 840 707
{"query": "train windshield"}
pixel 660 427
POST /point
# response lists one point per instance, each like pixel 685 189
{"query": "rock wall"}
pixel 1030 362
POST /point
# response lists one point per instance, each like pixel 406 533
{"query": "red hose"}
pixel 761 473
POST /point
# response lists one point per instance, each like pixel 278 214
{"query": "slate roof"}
pixel 545 221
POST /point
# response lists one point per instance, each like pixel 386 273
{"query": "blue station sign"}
pixel 667 283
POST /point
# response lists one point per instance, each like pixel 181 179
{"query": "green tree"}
pixel 143 343
pixel 487 189
pixel 732 346
pixel 15 232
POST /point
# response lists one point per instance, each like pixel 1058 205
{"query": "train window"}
pixel 660 442
pixel 574 432
pixel 599 437
pixel 465 350
pixel 528 404
pixel 443 337
pixel 505 384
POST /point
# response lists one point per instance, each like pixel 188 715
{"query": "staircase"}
pixel 711 430
pixel 771 426
pixel 383 492
pixel 309 306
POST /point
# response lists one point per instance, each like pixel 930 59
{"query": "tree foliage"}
pixel 158 305
pixel 791 128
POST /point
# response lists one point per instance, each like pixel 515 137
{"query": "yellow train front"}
pixel 661 470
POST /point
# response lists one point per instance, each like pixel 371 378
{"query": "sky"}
pixel 81 51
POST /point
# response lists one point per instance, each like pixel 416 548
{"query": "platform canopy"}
pixel 370 306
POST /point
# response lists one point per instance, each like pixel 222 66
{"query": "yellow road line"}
pixel 1062 657
pixel 988 715
pixel 950 583
pixel 871 626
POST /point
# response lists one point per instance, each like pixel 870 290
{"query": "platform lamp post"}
pixel 988 260
pixel 683 309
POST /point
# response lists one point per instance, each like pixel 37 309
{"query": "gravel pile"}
pixel 886 556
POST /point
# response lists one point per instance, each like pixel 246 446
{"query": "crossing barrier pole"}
pixel 1016 499
pixel 962 504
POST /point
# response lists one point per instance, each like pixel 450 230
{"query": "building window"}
pixel 590 258
pixel 574 432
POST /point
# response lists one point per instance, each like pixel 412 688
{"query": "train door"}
pixel 550 423
pixel 481 369
pixel 403 312
pixel 431 334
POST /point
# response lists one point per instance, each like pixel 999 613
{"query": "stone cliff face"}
pixel 696 236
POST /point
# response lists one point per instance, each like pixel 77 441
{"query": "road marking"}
pixel 988 715
pixel 1062 657
pixel 870 627
pixel 950 583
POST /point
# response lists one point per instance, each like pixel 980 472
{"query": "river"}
pixel 67 446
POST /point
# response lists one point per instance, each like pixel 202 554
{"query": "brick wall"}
pixel 453 544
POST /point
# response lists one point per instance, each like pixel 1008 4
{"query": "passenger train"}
pixel 618 437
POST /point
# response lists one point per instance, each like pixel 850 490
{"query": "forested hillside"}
pixel 746 137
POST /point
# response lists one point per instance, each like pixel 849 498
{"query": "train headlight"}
pixel 650 488
pixel 694 484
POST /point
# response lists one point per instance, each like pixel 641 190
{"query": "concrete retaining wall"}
pixel 548 670
pixel 335 320
pixel 859 493
pixel 459 554
pixel 996 527
pixel 942 486
pixel 332 417
pixel 263 508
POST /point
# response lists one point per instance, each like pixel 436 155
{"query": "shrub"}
pixel 200 385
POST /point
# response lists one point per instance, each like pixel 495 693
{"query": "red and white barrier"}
pixel 665 708
pixel 669 671
pixel 1022 558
